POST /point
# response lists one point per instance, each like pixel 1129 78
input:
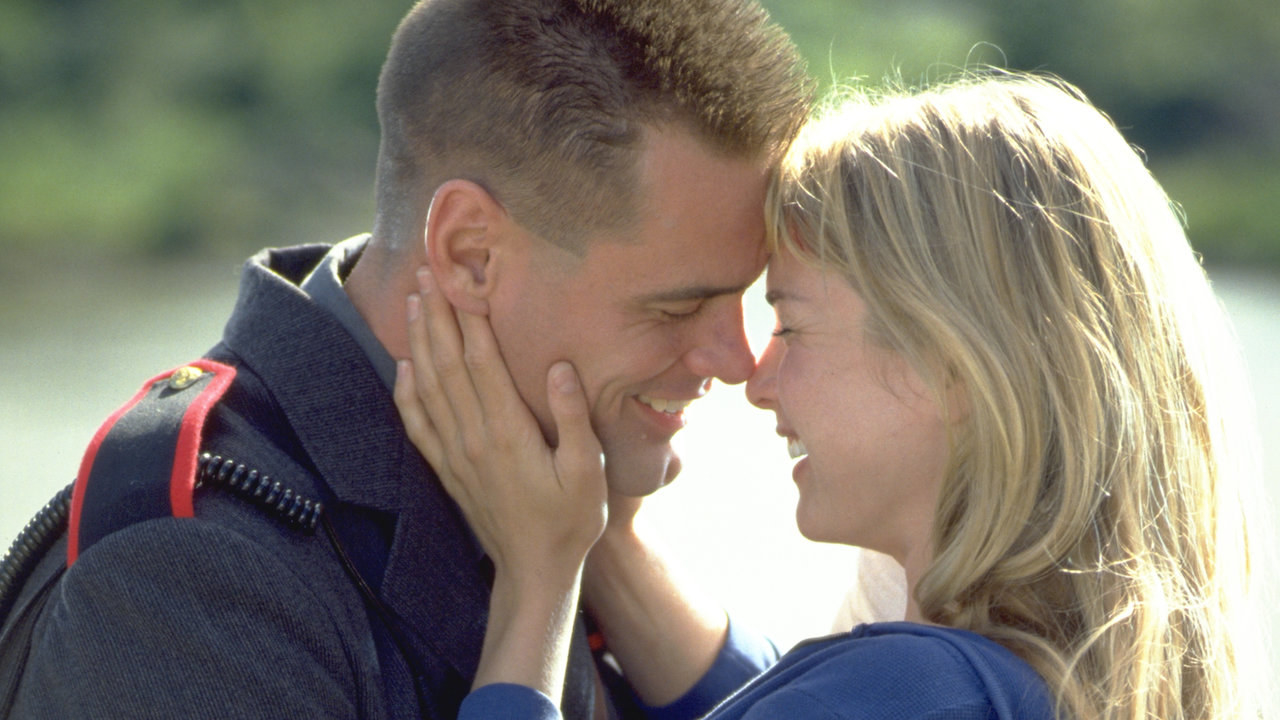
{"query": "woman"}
pixel 1000 363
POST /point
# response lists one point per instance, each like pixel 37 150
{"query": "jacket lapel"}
pixel 347 423
pixel 436 579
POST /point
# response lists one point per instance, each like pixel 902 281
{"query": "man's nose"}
pixel 721 349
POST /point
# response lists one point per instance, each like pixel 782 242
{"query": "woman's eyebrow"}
pixel 773 297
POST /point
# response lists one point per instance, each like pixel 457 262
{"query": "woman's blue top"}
pixel 886 671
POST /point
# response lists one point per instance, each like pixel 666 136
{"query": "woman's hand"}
pixel 536 511
pixel 460 407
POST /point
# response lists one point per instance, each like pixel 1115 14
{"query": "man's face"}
pixel 648 317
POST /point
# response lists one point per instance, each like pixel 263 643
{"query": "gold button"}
pixel 184 377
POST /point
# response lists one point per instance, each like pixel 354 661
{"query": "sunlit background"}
pixel 147 148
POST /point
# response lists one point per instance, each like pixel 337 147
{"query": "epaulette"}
pixel 142 462
pixel 145 462
pixel 140 465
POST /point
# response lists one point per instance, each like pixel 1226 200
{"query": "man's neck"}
pixel 378 288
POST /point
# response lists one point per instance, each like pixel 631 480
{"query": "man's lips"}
pixel 665 414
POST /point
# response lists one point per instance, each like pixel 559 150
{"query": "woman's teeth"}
pixel 671 407
pixel 795 448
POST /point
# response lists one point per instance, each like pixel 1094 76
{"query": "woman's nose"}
pixel 763 383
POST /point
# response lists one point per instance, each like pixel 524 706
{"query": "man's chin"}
pixel 636 479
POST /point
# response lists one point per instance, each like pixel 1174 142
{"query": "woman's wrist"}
pixel 663 633
pixel 532 596
pixel 540 569
pixel 537 582
pixel 530 625
pixel 620 550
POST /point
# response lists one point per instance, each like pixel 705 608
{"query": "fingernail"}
pixel 425 281
pixel 402 369
pixel 563 377
pixel 413 305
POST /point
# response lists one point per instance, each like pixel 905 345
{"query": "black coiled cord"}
pixel 260 489
pixel 31 545
pixel 50 523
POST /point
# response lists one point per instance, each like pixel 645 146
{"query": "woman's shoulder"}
pixel 906 670
pixel 945 646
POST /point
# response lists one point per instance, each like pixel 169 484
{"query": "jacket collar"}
pixel 436 577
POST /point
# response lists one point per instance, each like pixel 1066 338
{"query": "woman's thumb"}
pixel 572 417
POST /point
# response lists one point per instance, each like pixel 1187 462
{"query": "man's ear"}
pixel 464 229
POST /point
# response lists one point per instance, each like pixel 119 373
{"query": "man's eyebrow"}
pixel 697 292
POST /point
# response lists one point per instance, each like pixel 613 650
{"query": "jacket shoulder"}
pixel 145 462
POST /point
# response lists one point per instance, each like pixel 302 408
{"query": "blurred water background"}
pixel 146 149
pixel 103 330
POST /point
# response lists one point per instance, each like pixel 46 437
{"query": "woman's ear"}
pixel 463 234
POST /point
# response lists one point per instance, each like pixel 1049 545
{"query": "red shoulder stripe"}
pixel 86 464
pixel 165 423
pixel 182 484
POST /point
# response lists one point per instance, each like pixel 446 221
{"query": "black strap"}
pixel 23 563
pixel 15 642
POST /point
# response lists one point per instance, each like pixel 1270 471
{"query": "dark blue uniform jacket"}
pixel 233 613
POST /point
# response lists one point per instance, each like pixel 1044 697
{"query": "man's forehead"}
pixel 686 280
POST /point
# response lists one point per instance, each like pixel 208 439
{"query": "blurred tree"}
pixel 224 125
pixel 131 125
pixel 1191 83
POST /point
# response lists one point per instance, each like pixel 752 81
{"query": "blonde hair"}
pixel 1006 238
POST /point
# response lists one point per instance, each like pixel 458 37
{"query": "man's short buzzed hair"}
pixel 543 102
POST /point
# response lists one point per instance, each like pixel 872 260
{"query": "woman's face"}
pixel 870 437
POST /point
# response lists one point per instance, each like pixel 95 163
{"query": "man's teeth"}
pixel 795 448
pixel 671 407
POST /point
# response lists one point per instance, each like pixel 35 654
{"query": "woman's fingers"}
pixel 417 423
pixel 529 505
pixel 426 384
pixel 579 462
pixel 572 416
pixel 491 379
pixel 444 382
pixel 579 454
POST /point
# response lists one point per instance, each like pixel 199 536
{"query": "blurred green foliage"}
pixel 220 126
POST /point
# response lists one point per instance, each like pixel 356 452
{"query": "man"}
pixel 591 175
